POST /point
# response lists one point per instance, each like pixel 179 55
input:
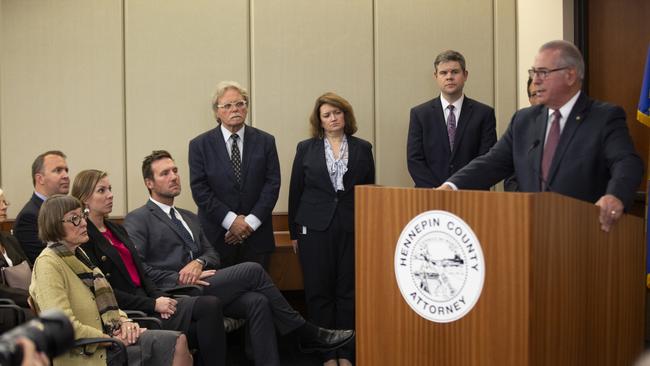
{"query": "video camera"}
pixel 52 334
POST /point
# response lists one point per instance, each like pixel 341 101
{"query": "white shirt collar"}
pixel 226 133
pixel 162 206
pixel 457 104
pixel 566 109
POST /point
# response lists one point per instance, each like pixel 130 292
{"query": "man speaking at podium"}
pixel 569 143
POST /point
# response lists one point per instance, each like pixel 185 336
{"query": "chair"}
pixel 83 343
pixel 16 313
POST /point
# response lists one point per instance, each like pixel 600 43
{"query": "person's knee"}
pixel 252 267
pixel 181 344
pixel 213 303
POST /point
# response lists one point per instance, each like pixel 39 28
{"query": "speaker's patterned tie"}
pixel 235 157
pixel 551 145
pixel 451 126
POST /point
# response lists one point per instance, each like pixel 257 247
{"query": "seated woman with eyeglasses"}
pixel 65 279
pixel 110 249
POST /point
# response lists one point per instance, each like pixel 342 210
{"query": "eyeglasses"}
pixel 543 73
pixel 76 219
pixel 241 104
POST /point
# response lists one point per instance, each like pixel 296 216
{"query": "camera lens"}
pixel 52 334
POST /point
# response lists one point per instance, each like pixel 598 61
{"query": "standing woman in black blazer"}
pixel 110 249
pixel 321 214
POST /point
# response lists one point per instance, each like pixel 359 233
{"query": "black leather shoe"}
pixel 326 340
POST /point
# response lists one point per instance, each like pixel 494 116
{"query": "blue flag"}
pixel 643 112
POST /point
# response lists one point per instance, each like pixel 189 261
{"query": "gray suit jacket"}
pixel 160 244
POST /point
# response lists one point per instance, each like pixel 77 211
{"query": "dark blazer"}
pixel 160 244
pixel 429 158
pixel 216 193
pixel 312 198
pixel 595 155
pixel 17 256
pixel 106 257
pixel 26 228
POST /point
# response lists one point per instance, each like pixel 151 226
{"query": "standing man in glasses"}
pixel 235 180
pixel 569 143
pixel 49 177
pixel 447 132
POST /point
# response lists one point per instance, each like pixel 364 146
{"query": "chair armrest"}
pixel 148 322
pixel 134 313
pixel 83 342
pixel 18 311
pixel 7 301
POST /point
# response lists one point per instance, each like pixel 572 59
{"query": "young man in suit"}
pixel 175 251
pixel 447 132
pixel 235 180
pixel 569 143
pixel 49 177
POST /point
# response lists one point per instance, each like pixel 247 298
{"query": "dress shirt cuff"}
pixel 253 221
pixel 228 220
pixel 452 185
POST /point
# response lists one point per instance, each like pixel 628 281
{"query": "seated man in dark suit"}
pixel 569 143
pixel 449 131
pixel 175 251
pixel 49 177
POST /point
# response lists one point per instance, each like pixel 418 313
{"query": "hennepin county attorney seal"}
pixel 439 266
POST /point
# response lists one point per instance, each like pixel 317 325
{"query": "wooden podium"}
pixel 558 291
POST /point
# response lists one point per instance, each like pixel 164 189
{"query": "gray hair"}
pixel 570 55
pixel 221 89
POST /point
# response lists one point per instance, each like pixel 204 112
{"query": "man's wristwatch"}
pixel 201 261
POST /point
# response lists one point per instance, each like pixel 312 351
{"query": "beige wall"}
pixel 538 23
pixel 108 81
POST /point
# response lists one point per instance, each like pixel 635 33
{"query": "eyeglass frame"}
pixel 77 218
pixel 543 73
pixel 240 104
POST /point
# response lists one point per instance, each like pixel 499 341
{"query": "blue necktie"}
pixel 187 238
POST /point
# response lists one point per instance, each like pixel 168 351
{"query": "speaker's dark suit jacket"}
pixel 26 228
pixel 429 157
pixel 216 193
pixel 106 257
pixel 312 198
pixel 595 155
pixel 159 243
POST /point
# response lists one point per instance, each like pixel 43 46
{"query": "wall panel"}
pixel 175 56
pixel 408 36
pixel 61 88
pixel 301 49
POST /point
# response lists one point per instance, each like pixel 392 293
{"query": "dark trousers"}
pixel 242 253
pixel 246 291
pixel 327 259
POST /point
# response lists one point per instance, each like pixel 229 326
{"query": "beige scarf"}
pixel 92 277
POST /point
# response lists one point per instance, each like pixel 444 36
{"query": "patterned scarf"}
pixel 92 277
